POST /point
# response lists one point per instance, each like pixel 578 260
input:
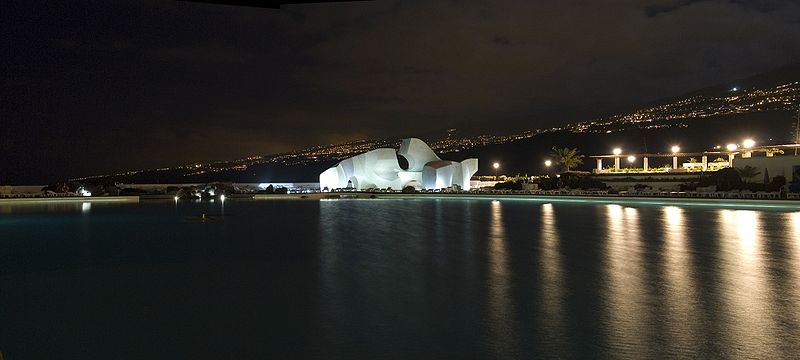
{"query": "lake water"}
pixel 427 278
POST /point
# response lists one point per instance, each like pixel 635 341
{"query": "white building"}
pixel 787 166
pixel 379 168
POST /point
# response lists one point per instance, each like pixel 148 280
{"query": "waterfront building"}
pixel 687 162
pixel 380 169
pixel 640 163
pixel 769 161
pixel 769 166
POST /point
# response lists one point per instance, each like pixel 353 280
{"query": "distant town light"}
pixel 732 147
pixel 496 165
pixel 176 198
pixel 222 197
pixel 735 88
pixel 748 143
pixel 676 149
pixel 631 158
pixel 617 151
pixel 548 163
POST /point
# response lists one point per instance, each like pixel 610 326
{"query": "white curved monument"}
pixel 379 168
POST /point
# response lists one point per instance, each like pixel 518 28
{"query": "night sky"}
pixel 95 87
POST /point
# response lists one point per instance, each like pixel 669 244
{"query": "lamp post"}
pixel 675 150
pixel 731 148
pixel 495 166
pixel 747 144
pixel 547 164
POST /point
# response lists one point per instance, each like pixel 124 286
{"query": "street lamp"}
pixel 748 144
pixel 548 163
pixel 731 148
pixel 616 152
pixel 631 159
pixel 495 166
pixel 675 150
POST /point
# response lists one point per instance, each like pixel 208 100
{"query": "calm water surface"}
pixel 425 278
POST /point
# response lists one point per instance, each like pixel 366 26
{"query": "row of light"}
pixel 747 144
pixel 632 158
pixel 221 198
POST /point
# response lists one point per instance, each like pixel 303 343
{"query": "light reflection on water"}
pixel 794 248
pixel 37 208
pixel 680 285
pixel 749 319
pixel 794 219
pixel 551 276
pixel 414 278
pixel 626 294
pixel 500 317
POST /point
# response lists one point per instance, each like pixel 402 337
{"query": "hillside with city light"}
pixel 763 107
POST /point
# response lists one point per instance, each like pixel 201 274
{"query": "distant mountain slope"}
pixel 772 78
pixel 776 90
pixel 759 106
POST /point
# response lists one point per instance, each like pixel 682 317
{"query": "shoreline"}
pixel 71 199
pixel 575 199
pixel 579 199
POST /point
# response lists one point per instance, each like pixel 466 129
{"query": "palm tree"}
pixel 747 172
pixel 568 158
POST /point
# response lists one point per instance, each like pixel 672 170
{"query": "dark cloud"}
pixel 667 7
pixel 763 6
pixel 150 84
pixel 501 40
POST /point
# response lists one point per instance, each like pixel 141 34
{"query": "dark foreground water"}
pixel 402 279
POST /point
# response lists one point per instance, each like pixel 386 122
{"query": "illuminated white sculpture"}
pixel 379 168
pixel 417 152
